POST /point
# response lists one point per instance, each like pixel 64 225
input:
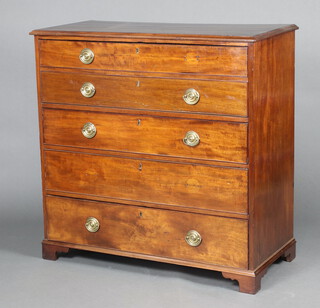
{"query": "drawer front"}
pixel 187 185
pixel 148 231
pixel 163 58
pixel 165 94
pixel 223 141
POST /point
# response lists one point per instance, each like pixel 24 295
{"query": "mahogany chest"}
pixel 169 142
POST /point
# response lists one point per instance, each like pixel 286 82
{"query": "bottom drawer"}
pixel 224 241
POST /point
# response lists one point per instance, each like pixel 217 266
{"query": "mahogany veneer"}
pixel 132 184
pixel 127 92
pixel 211 60
pixel 222 141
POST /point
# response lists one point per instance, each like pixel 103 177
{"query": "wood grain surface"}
pixel 220 141
pixel 177 32
pixel 271 146
pixel 149 231
pixel 211 60
pixel 189 185
pixel 147 93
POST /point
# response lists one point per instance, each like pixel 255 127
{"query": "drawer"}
pixel 176 184
pixel 148 231
pixel 223 141
pixel 165 94
pixel 162 58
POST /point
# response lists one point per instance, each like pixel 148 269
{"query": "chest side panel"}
pixel 271 145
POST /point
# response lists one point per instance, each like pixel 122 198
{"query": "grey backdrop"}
pixel 91 279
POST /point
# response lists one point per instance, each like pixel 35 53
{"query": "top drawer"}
pixel 164 58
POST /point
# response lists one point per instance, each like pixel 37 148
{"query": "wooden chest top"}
pixel 146 30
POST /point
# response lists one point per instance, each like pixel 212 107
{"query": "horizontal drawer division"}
pixel 165 58
pixel 177 184
pixel 221 241
pixel 223 141
pixel 165 94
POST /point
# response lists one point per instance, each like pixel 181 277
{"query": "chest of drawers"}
pixel 168 142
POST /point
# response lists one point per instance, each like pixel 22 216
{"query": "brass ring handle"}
pixel 193 238
pixel 86 56
pixel 92 224
pixel 191 139
pixel 191 96
pixel 88 89
pixel 89 130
